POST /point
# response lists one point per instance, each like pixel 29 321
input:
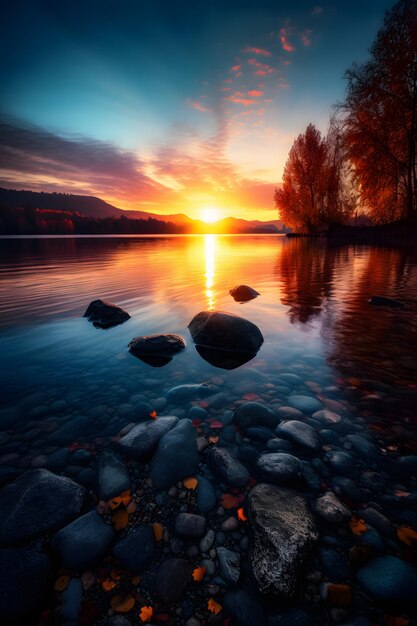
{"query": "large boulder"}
pixel 37 502
pixel 141 442
pixel 227 467
pixel 176 457
pixel 112 476
pixel 284 533
pixel 105 314
pixel 224 331
pixel 243 293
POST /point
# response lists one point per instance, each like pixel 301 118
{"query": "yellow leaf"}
pixel 145 613
pixel 108 584
pixel 199 573
pixel 158 531
pixel 357 525
pixel 122 603
pixel 213 606
pixel 61 583
pixel 241 514
pixel 120 519
pixel 407 535
pixel 190 483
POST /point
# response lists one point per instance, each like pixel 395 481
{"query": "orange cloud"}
pixel 255 93
pixel 198 106
pixel 262 69
pixel 261 51
pixel 243 101
pixel 285 44
pixel 235 68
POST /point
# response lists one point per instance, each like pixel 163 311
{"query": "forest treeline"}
pixel 367 162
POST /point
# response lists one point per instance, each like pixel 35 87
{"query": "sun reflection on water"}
pixel 210 247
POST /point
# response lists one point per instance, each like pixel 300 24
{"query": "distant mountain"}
pixel 94 207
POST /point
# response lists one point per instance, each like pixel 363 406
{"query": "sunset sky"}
pixel 170 107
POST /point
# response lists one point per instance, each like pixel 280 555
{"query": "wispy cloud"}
pixel 285 43
pixel 255 93
pixel 305 37
pixel 195 104
pixel 260 51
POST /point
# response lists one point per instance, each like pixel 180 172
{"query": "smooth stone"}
pixel 331 510
pixel 278 467
pixel 388 579
pixel 310 476
pixel 112 476
pixel 327 417
pixel 284 532
pixel 290 412
pixel 377 520
pixel 37 502
pixel 335 564
pixel 229 564
pixel 165 346
pixel 244 608
pixel 80 456
pixel 176 457
pixel 305 404
pixel 229 525
pixel 348 488
pixel 243 293
pixel 172 577
pixel 362 446
pixel 340 462
pixel 207 541
pixel 227 467
pixel 104 314
pixel 190 525
pixel 70 605
pixel 279 445
pixel 74 429
pixel 25 575
pixel 206 495
pixel 259 433
pixel 136 549
pixel 58 459
pixel 224 331
pixel 300 433
pixel 83 542
pixel 296 616
pixel 185 393
pixel 142 440
pixel 290 379
pixel 255 414
pixel 197 413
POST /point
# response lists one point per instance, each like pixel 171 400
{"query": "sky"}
pixel 171 107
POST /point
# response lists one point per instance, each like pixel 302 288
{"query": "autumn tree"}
pixel 380 118
pixel 313 190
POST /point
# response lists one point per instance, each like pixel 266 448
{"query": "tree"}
pixel 313 191
pixel 380 118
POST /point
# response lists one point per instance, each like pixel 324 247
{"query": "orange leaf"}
pixel 213 439
pixel 145 613
pixel 190 483
pixel 158 531
pixel 213 606
pixel 152 415
pixel 122 603
pixel 108 584
pixel 115 502
pixel 199 573
pixel 61 583
pixel 120 519
pixel 228 501
pixel 407 535
pixel 115 573
pixel 357 525
pixel 126 496
pixel 241 514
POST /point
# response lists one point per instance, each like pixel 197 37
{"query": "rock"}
pixel 286 412
pixel 327 417
pixel 340 462
pixel 310 476
pixel 70 606
pixel 244 608
pixel 224 331
pixel 390 580
pixel 389 302
pixel 136 549
pixel 296 616
pixel 83 542
pixel 141 442
pixel 190 525
pixel 207 541
pixel 74 429
pixel 227 467
pixel 112 476
pixel 156 349
pixel 278 467
pixel 229 524
pixel 255 414
pixel 37 502
pixel 243 293
pixel 305 404
pixel 262 434
pixel 172 577
pixel 362 446
pixel 105 314
pixel 289 379
pixel 25 578
pixel 206 496
pixel 284 532
pixel 335 564
pixel 330 509
pixel 229 563
pixel 176 457
pixel 185 393
pixel 300 433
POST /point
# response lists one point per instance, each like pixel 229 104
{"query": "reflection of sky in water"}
pixel 210 247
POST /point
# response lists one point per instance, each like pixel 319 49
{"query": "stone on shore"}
pixel 190 525
pixel 112 476
pixel 176 457
pixel 224 331
pixel 105 314
pixel 227 467
pixel 331 510
pixel 141 442
pixel 171 579
pixel 136 549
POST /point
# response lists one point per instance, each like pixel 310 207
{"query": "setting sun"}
pixel 210 215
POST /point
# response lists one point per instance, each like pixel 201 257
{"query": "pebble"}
pixel 331 510
pixel 305 404
pixel 229 524
pixel 229 563
pixel 190 525
pixel 299 433
pixel 207 541
pixel 278 467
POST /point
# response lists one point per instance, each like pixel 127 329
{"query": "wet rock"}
pixel 300 433
pixel 259 433
pixel 224 331
pixel 286 412
pixel 58 459
pixel 255 414
pixel 335 564
pixel 206 496
pixel 290 379
pixel 348 488
pixel 83 542
pixel 389 302
pixel 172 578
pixel 136 549
pixel 185 393
pixel 207 541
pixel 25 576
pixel 305 404
pixel 112 476
pixel 229 563
pixel 227 467
pixel 310 476
pixel 228 525
pixel 243 293
pixel 142 440
pixel 278 467
pixel 197 413
pixel 70 607
pixel 176 457
pixel 105 314
pixel 190 525
pixel 156 350
pixel 284 532
pixel 37 502
pixel 340 462
pixel 244 608
pixel 389 579
pixel 225 359
pixel 327 417
pixel 362 446
pixel 331 510
pixel 377 520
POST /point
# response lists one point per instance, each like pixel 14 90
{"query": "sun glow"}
pixel 210 249
pixel 210 215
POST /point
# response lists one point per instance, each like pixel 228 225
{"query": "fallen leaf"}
pixel 61 583
pixel 131 507
pixel 241 514
pixel 357 525
pixel 145 613
pixel 115 502
pixel 122 603
pixel 199 573
pixel 213 606
pixel 126 497
pixel 407 535
pixel 190 483
pixel 116 573
pixel 120 519
pixel 228 501
pixel 158 531
pixel 108 584
pixel 152 415
pixel 213 439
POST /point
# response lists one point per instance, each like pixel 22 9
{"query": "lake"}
pixel 70 387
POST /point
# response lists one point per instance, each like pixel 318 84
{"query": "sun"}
pixel 210 215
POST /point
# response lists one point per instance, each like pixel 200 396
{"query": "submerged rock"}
pixel 284 532
pixel 243 293
pixel 227 467
pixel 224 331
pixel 141 442
pixel 278 467
pixel 300 433
pixel 185 393
pixel 105 314
pixel 305 404
pixel 255 414
pixel 176 457
pixel 389 579
pixel 112 476
pixel 156 350
pixel 382 301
